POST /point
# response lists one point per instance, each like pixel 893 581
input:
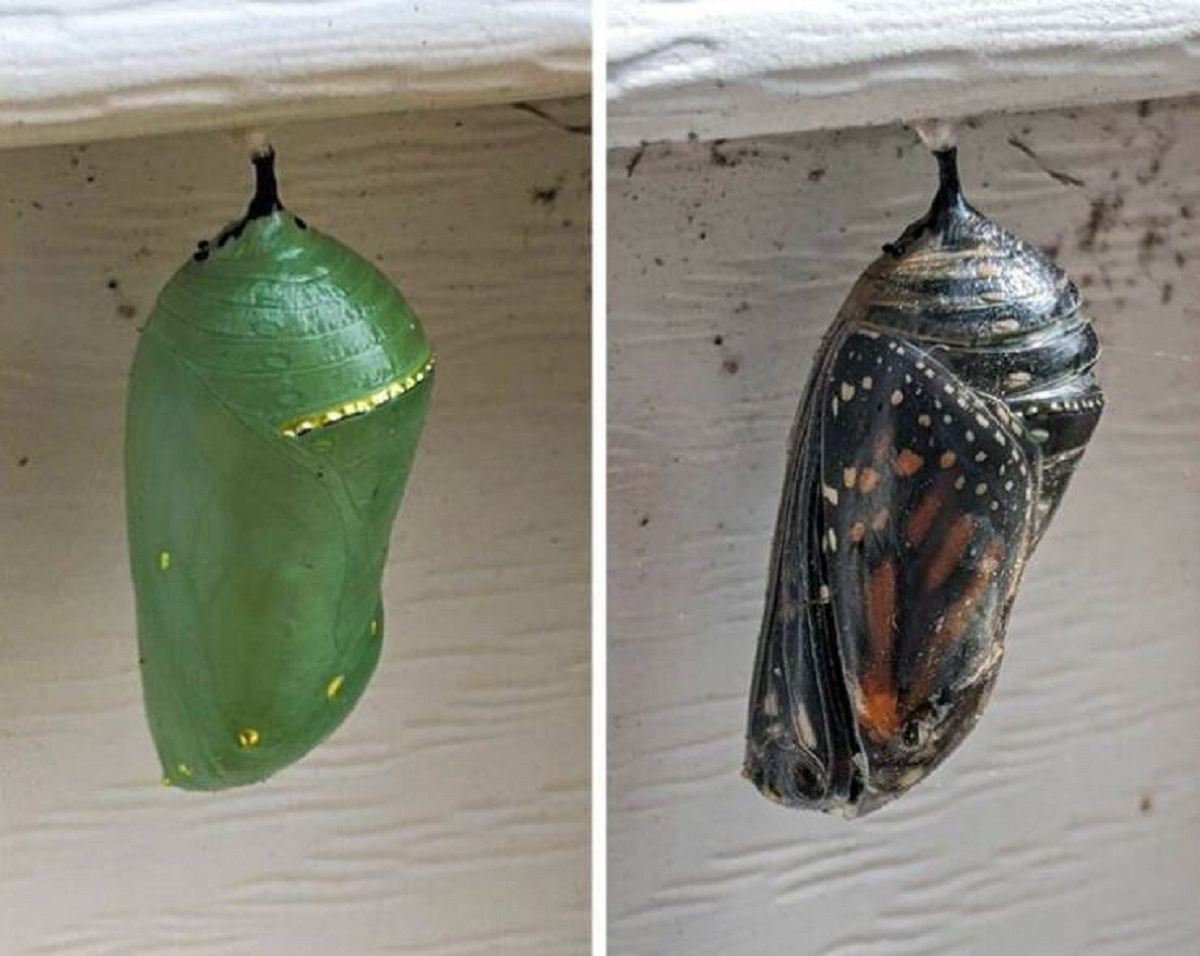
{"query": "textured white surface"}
pixel 721 69
pixel 1069 822
pixel 93 69
pixel 449 814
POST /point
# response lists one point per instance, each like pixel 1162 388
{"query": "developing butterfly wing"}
pixel 796 752
pixel 236 545
pixel 927 502
pixel 257 560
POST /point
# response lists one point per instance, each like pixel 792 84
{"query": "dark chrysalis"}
pixel 945 414
pixel 275 402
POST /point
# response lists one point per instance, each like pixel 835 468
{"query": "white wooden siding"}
pixel 720 69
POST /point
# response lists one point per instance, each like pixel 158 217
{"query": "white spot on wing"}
pixel 804 728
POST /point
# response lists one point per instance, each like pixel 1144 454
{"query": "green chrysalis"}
pixel 276 399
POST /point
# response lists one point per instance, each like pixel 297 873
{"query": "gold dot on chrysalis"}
pixel 335 685
pixel 184 770
pixel 164 560
pixel 374 627
pixel 248 738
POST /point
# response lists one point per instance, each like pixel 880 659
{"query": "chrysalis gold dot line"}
pixel 357 406
pixel 248 738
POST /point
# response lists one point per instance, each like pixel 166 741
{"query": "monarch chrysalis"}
pixel 275 402
pixel 946 411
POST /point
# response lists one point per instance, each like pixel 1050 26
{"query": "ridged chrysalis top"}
pixel 947 409
pixel 276 399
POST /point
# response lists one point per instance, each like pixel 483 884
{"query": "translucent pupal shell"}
pixel 951 401
pixel 275 403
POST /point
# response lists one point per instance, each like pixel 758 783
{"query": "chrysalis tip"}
pixel 949 188
pixel 266 189
pixel 948 203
